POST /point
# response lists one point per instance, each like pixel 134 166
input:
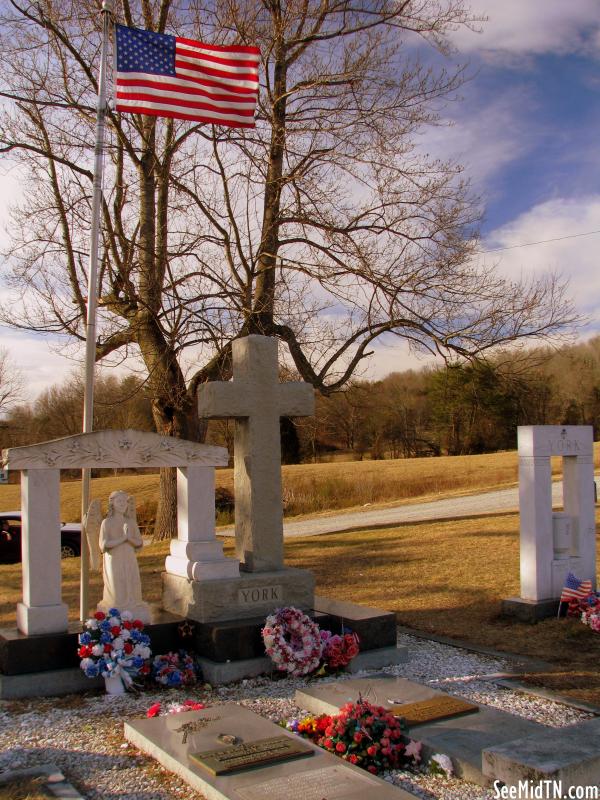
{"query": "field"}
pixel 447 577
pixel 319 488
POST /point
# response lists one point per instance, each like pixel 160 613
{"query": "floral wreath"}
pixel 113 645
pixel 292 641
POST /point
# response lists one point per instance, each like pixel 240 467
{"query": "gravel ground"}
pixel 83 734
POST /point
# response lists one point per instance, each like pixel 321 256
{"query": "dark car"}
pixel 10 538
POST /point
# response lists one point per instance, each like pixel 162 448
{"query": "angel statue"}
pixel 118 537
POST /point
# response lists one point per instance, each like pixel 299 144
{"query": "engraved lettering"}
pixel 260 595
pixel 240 756
pixel 563 446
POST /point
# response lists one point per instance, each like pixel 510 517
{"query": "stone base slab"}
pixel 570 755
pixel 378 658
pixel 21 654
pixel 202 570
pixel 240 640
pixel 47 684
pixel 218 672
pixel 375 627
pixel 253 594
pixel 531 611
pixel 32 620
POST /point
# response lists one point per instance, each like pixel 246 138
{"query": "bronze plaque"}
pixel 433 709
pixel 251 754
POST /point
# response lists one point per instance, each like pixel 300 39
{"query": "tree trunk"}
pixel 165 526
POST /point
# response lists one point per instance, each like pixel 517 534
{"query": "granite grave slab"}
pixel 570 755
pixel 463 738
pixel 319 776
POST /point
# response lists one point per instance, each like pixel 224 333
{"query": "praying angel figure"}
pixel 118 538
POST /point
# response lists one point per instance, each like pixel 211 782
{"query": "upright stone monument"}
pixel 554 543
pixel 196 552
pixel 256 400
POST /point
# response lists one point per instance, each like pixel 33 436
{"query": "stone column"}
pixel 42 609
pixel 537 542
pixel 578 501
pixel 196 553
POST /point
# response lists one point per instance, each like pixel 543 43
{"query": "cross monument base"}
pixel 253 594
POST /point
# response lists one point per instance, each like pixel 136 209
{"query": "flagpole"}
pixel 92 301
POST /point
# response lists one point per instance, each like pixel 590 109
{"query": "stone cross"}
pixel 256 400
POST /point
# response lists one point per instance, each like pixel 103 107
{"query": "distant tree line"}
pixel 119 402
pixel 459 409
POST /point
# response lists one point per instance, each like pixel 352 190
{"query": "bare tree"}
pixel 11 382
pixel 326 226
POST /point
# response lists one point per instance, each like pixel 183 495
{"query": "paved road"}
pixel 450 508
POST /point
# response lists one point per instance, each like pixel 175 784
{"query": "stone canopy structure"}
pixel 42 609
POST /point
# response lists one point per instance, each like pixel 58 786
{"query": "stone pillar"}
pixel 196 553
pixel 537 542
pixel 42 609
pixel 578 502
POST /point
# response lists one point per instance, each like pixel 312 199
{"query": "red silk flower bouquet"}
pixel 363 734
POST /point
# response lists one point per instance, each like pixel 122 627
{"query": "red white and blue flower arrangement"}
pixel 114 645
pixel 175 669
pixel 296 645
pixel 587 610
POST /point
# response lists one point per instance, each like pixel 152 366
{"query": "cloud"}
pixel 533 27
pixel 575 258
pixel 396 357
pixel 494 132
pixel 40 365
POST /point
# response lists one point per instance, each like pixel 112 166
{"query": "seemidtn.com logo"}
pixel 545 790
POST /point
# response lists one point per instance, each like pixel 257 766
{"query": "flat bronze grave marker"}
pixel 435 708
pixel 251 754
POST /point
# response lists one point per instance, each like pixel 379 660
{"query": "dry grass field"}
pixel 319 488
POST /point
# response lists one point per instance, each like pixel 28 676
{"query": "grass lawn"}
pixel 445 577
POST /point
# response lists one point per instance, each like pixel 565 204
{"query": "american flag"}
pixel 167 76
pixel 575 589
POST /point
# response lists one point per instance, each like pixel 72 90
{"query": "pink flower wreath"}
pixel 292 641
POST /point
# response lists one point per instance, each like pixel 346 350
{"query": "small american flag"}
pixel 575 589
pixel 167 76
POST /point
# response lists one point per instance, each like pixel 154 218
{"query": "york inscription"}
pixel 258 595
pixel 564 446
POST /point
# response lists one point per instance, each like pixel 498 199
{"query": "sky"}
pixel 527 132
